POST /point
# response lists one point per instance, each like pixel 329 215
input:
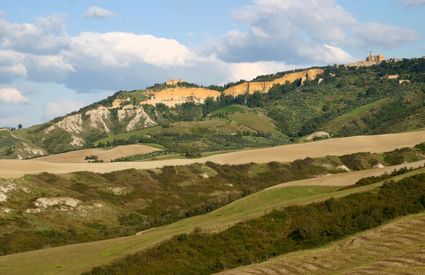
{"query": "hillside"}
pixel 189 119
pixel 12 146
pixel 276 233
pixel 77 258
pixel 394 248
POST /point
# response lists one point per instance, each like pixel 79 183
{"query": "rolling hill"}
pixel 81 257
pixel 44 210
pixel 189 119
pixel 278 232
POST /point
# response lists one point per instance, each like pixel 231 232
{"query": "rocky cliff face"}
pixel 179 95
pixel 101 120
pixel 264 87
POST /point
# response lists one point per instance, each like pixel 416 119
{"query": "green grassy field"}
pixel 230 109
pixel 77 258
pixel 255 121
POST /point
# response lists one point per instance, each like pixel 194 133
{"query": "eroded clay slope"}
pixel 265 86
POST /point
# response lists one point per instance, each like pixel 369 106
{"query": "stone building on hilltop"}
pixel 370 61
pixel 375 58
pixel 173 82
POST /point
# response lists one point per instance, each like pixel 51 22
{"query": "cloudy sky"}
pixel 59 55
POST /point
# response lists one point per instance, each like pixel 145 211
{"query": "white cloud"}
pixel 373 34
pixel 11 66
pixel 35 67
pixel 98 12
pixel 248 71
pixel 62 107
pixel 413 3
pixel 120 49
pixel 303 32
pixel 47 35
pixel 11 96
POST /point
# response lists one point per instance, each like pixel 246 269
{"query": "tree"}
pixel 19 126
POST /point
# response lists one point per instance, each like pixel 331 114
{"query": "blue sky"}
pixel 57 56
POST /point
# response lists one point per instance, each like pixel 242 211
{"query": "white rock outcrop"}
pixel 343 168
pixel 319 134
pixel 50 202
pixel 72 124
pixel 140 114
pixel 99 118
pixel 4 189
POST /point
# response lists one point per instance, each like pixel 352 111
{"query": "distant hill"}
pixel 274 109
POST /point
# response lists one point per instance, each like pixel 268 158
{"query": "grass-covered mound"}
pixel 279 232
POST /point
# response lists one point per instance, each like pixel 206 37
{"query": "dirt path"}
pixel 286 153
pixel 103 154
pixel 395 248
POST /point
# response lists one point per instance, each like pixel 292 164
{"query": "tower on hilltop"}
pixel 375 58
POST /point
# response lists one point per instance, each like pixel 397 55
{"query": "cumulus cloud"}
pixel 62 107
pixel 292 31
pixel 11 96
pixel 119 49
pixel 98 12
pixel 248 71
pixel 34 67
pixel 375 34
pixel 47 35
pixel 413 3
pixel 303 32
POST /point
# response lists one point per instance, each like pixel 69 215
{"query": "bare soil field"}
pixel 395 248
pixel 285 153
pixel 103 154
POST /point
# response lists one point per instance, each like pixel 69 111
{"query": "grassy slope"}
pixel 14 145
pixel 81 257
pixel 376 116
pixel 394 247
pixel 337 123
